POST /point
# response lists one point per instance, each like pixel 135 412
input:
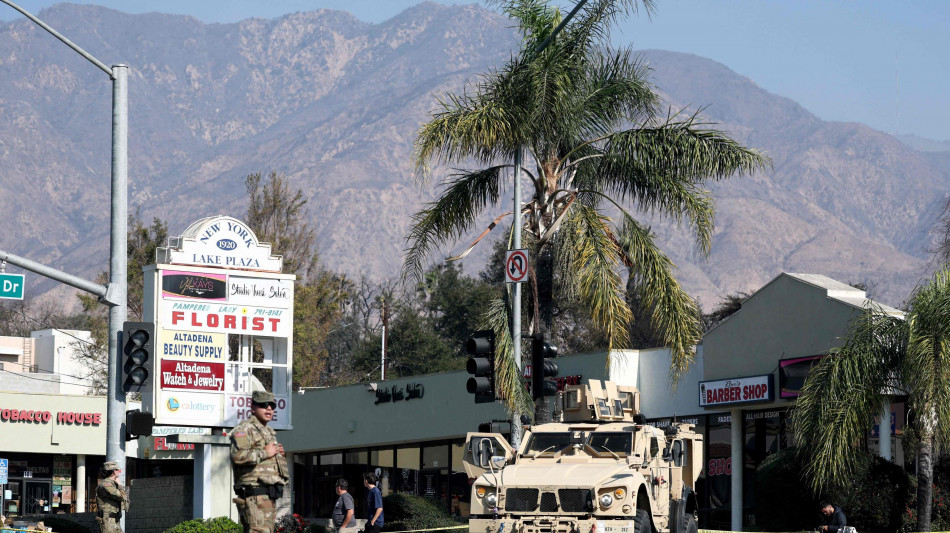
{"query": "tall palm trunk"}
pixel 543 320
pixel 925 470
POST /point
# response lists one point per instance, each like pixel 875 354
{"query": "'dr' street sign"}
pixel 11 286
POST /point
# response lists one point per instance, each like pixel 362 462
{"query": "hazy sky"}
pixel 883 63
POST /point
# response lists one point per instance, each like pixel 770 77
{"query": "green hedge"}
pixel 64 525
pixel 407 512
pixel 221 524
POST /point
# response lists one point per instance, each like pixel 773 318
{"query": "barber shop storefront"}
pixel 740 394
pixel 756 362
pixel 410 432
pixel 53 446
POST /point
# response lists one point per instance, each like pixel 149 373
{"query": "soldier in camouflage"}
pixel 260 468
pixel 111 499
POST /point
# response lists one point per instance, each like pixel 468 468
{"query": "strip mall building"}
pixel 739 393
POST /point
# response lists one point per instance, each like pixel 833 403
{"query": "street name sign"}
pixel 11 286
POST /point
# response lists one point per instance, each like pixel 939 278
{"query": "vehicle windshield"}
pixel 551 442
pixel 617 442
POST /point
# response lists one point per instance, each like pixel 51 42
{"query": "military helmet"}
pixel 262 396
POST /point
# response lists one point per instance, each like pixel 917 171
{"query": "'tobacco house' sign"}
pixel 223 314
pixel 736 390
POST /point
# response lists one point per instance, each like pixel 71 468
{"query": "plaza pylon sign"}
pixel 223 314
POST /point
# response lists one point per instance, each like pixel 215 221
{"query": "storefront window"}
pixel 407 475
pixel 719 472
pixel 459 488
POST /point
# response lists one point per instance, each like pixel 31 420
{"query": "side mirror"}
pixel 483 452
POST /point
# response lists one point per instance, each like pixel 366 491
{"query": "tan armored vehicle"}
pixel 601 469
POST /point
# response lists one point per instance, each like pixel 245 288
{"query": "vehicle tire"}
pixel 691 526
pixel 643 522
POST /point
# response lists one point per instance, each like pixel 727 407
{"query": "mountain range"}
pixel 333 103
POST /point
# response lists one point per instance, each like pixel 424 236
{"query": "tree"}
pixel 141 244
pixel 277 215
pixel 881 353
pixel 728 306
pixel 592 125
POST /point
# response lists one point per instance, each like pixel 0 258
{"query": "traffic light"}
pixel 137 355
pixel 481 364
pixel 542 367
pixel 138 423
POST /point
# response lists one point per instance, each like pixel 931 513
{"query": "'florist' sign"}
pixel 736 390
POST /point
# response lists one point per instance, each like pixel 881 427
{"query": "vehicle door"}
pixel 660 466
pixel 479 450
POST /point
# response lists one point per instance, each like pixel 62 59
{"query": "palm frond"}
pixel 508 377
pixel 464 126
pixel 842 394
pixel 675 315
pixel 447 218
pixel 926 367
pixel 600 285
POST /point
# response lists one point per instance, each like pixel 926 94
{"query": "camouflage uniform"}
pixel 111 500
pixel 258 480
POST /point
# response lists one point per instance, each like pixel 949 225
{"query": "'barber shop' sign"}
pixel 736 390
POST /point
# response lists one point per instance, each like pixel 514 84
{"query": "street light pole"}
pixel 115 296
pixel 516 428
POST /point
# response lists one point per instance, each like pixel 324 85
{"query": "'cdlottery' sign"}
pixel 736 390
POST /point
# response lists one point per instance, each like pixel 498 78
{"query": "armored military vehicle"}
pixel 600 469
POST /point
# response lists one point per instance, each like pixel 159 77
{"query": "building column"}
pixel 80 484
pixel 884 432
pixel 738 468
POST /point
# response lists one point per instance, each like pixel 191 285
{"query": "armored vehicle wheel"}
pixel 691 526
pixel 643 523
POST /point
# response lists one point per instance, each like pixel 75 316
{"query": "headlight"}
pixel 491 500
pixel 606 500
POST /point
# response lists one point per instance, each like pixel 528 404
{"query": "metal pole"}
pixel 118 262
pixel 516 429
pixel 382 362
pixel 118 279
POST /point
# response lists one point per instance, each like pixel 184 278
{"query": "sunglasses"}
pixel 265 405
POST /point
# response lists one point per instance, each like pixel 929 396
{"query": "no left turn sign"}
pixel 516 266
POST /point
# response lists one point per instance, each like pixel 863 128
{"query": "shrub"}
pixel 316 528
pixel 407 512
pixel 64 525
pixel 875 500
pixel 291 524
pixel 221 524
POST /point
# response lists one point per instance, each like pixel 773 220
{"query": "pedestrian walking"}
pixel 374 504
pixel 343 509
pixel 260 467
pixel 111 499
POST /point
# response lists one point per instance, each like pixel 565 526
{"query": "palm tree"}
pixel 882 353
pixel 592 124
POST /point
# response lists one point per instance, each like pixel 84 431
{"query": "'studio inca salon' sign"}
pixel 223 315
pixel 736 390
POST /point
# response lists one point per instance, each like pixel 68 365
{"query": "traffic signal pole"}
pixel 114 295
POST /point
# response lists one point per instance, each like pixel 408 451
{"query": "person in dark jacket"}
pixel 835 520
